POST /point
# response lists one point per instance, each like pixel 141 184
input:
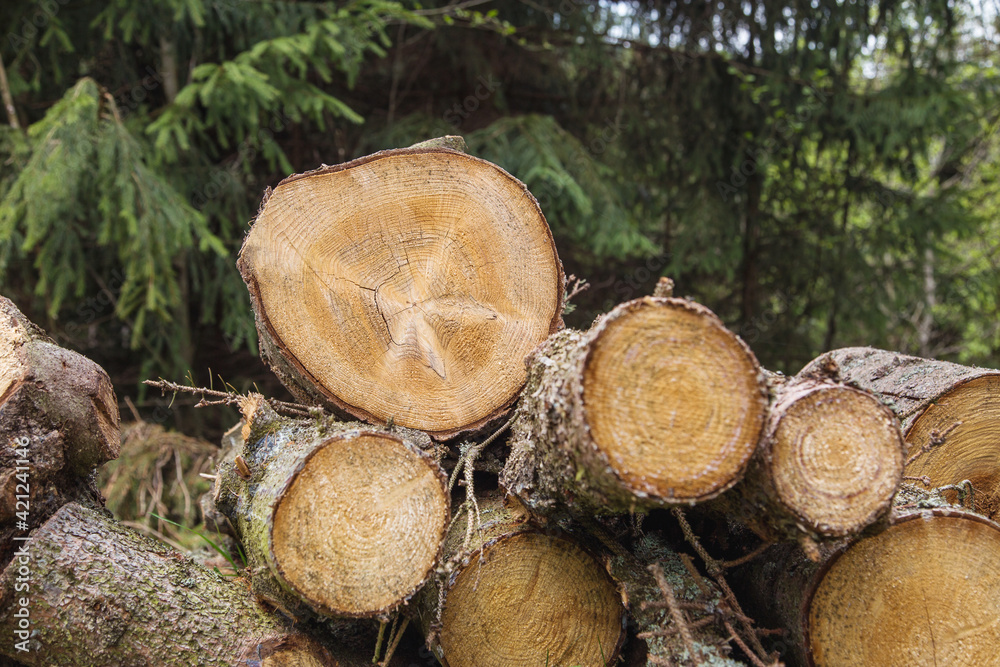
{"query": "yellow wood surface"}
pixel 361 525
pixel 673 399
pixel 923 593
pixel 409 287
pixel 534 599
pixel 836 458
pixel 968 420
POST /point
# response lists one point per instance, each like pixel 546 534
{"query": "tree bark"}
pixel 657 404
pixel 404 287
pixel 924 591
pixel 828 465
pixel 58 422
pixel 949 413
pixel 93 593
pixel 513 594
pixel 339 519
pixel 669 611
pixel 8 100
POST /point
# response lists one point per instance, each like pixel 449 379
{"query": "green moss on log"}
pixel 337 519
pixel 100 594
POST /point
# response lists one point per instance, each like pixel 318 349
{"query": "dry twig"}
pixel 680 621
pixel 466 464
pixel 232 397
pixel 578 285
pixel 729 606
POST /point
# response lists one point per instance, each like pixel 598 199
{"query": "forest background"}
pixel 821 173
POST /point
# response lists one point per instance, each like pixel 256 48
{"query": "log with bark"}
pixel 828 465
pixel 58 422
pixel 923 591
pixel 512 594
pixel 340 519
pixel 89 592
pixel 404 287
pixel 657 404
pixel 950 416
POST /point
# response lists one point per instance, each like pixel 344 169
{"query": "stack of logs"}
pixel 412 301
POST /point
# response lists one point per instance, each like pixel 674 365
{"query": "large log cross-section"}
pixel 407 287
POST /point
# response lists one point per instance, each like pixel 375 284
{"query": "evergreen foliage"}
pixel 137 180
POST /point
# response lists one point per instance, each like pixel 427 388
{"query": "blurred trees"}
pixel 821 173
pixel 152 129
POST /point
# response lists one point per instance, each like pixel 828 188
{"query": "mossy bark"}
pixel 100 594
pixel 550 462
pixel 701 599
pixel 255 476
pixel 58 422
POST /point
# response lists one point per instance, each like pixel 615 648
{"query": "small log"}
pixel 657 404
pixel 58 422
pixel 518 595
pixel 924 591
pixel 950 416
pixel 89 592
pixel 404 287
pixel 828 465
pixel 339 519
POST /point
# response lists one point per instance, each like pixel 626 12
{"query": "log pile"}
pixel 515 492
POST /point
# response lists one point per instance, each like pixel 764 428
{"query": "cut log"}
pixel 657 404
pixel 336 518
pixel 58 422
pixel 404 287
pixel 949 410
pixel 828 465
pixel 518 595
pixel 924 591
pixel 97 593
pixel 45 387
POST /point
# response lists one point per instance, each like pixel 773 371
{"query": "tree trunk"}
pixel 517 595
pixel 657 404
pixel 91 592
pixel 58 422
pixel 404 287
pixel 924 591
pixel 950 416
pixel 337 518
pixel 8 100
pixel 828 465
